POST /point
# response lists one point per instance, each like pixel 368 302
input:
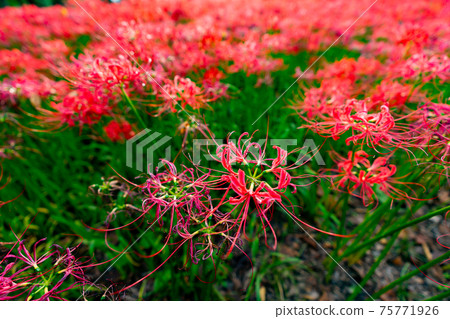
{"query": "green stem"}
pixel 411 274
pixel 142 290
pixel 130 103
pixel 394 230
pixel 339 242
pixel 441 296
pixel 374 267
pixel 364 226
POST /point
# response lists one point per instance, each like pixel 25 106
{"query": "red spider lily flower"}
pixel 183 202
pixel 214 89
pixel 177 200
pixel 266 79
pixel 80 107
pixel 119 130
pixel 103 73
pixel 31 259
pixel 54 51
pixel 425 66
pixel 436 119
pixel 170 189
pixel 391 93
pixel 43 276
pixel 349 69
pixel 257 181
pixel 181 93
pixel 71 268
pixel 32 86
pixel 358 176
pixel 7 284
pixel 184 196
pixel 15 61
pixel 413 37
pixel 367 127
pixel 250 56
pixel 263 194
pixel 321 101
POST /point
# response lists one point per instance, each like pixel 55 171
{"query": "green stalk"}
pixel 363 226
pixel 411 274
pixel 142 290
pixel 130 103
pixel 370 231
pixel 441 296
pixel 339 242
pixel 394 230
pixel 374 267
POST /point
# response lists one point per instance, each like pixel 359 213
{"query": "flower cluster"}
pixel 41 275
pixel 159 51
pixel 208 210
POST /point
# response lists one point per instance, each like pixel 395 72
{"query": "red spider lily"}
pixel 169 190
pixel 425 66
pixel 413 37
pixel 257 181
pixel 250 56
pixel 321 101
pixel 41 276
pixel 214 89
pixel 181 93
pixel 31 259
pixel 358 176
pixel 436 119
pixel 369 128
pixel 119 130
pixel 178 200
pixel 81 107
pixel 187 199
pixel 32 86
pixel 350 70
pixel 15 61
pixel 54 51
pixel 103 73
pixel 7 284
pixel 183 202
pixel 391 93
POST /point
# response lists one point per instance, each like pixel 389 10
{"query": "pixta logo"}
pixel 141 149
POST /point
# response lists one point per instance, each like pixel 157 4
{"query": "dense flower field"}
pixel 323 118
